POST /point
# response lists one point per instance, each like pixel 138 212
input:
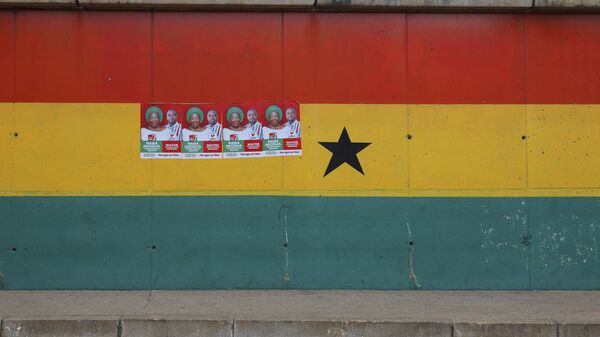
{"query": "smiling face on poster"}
pixel 160 131
pixel 253 144
pixel 292 146
pixel 281 132
pixel 254 124
pixel 202 132
pixel 205 130
pixel 234 131
pixel 242 133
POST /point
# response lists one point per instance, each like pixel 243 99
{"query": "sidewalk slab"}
pixel 579 329
pixel 288 328
pixel 372 329
pixel 175 328
pixel 50 327
pixel 340 329
pixel 439 307
pixel 504 330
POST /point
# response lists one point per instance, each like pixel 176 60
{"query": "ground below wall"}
pixel 299 313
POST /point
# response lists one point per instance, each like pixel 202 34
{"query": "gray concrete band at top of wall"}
pixel 321 5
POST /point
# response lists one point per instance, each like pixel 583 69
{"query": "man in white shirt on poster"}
pixel 213 126
pixel 292 124
pixel 254 126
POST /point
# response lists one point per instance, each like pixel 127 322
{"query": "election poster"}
pixel 220 130
pixel 202 131
pixel 242 134
pixel 292 145
pixel 281 131
pixel 160 130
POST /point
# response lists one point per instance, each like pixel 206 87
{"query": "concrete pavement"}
pixel 300 313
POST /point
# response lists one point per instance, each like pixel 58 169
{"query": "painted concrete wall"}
pixel 495 188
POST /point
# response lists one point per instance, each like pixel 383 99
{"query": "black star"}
pixel 344 151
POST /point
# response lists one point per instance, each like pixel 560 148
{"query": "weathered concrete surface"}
pixel 367 329
pixel 281 305
pixel 568 4
pixel 38 3
pixel 217 4
pixel 424 4
pixel 340 328
pixel 288 328
pixel 504 330
pixel 300 313
pixel 579 329
pixel 44 327
pixel 175 328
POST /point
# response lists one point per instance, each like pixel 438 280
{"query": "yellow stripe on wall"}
pixel 454 150
pixel 6 148
pixel 467 147
pixel 564 146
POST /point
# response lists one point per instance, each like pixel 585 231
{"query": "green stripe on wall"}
pixel 332 242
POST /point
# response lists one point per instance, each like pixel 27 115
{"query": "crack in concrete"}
pixel 120 328
pixel 146 304
pixel 557 329
pixel 148 300
pixel 412 277
pixel 286 241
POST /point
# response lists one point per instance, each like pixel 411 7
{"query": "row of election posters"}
pixel 192 131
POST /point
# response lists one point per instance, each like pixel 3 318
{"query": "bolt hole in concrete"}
pixel 13 249
pixel 410 243
pixel 523 137
pixel 153 247
pixel 16 134
pixel 409 137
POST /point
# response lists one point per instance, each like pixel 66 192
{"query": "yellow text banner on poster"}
pixel 414 150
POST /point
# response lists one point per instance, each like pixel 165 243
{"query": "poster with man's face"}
pixel 202 131
pixel 160 130
pixel 292 146
pixel 242 136
pixel 282 132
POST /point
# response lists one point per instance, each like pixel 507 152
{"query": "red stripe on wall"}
pixel 7 54
pixel 563 59
pixel 94 56
pixel 116 57
pixel 466 58
pixel 350 57
pixel 83 56
pixel 48 56
pixel 217 57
